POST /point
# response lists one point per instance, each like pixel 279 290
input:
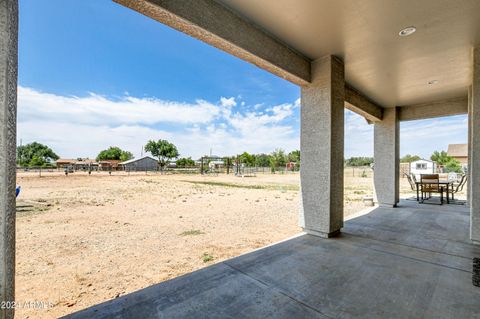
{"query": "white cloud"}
pixel 423 137
pixel 258 106
pixel 297 102
pixel 96 109
pixel 230 102
pixel 81 140
pixel 82 126
pixel 358 136
pixel 416 137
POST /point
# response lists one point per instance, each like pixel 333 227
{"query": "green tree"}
pixel 449 163
pixel 294 156
pixel 359 161
pixel 453 166
pixel 37 162
pixel 278 158
pixel 262 160
pixel 185 162
pixel 247 159
pixel 114 153
pixel 442 158
pixel 163 150
pixel 35 154
pixel 410 158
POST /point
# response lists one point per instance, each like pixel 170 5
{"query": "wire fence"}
pixel 205 170
pixel 357 171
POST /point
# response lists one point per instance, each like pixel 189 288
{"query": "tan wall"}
pixel 461 159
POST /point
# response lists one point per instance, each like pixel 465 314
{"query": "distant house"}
pixel 145 163
pixel 77 164
pixel 85 164
pixel 459 152
pixel 423 166
pixel 65 162
pixel 109 165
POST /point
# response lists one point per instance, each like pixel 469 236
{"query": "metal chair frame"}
pixel 460 186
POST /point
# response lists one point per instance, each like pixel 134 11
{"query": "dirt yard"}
pixel 82 239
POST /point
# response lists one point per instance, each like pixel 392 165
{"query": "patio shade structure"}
pixel 360 55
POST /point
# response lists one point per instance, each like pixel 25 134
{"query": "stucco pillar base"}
pixel 322 234
pixel 387 205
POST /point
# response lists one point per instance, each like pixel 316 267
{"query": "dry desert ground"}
pixel 85 239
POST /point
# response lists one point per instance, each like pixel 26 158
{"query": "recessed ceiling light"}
pixel 407 31
pixel 433 82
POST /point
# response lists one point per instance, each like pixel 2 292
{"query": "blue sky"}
pixel 93 74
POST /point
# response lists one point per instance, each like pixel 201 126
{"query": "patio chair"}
pixel 452 177
pixel 430 184
pixel 410 180
pixel 459 187
pixel 413 185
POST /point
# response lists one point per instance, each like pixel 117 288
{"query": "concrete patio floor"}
pixel 414 261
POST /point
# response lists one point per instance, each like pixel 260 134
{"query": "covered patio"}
pixel 389 61
pixel 383 265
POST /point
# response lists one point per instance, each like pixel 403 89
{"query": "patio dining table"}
pixel 444 184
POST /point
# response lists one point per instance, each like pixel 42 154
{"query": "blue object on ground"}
pixel 17 191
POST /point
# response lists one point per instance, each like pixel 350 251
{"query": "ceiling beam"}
pixel 447 107
pixel 360 104
pixel 217 25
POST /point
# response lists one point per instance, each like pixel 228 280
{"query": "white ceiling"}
pixel 390 69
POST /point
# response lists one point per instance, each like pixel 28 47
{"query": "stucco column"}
pixel 386 139
pixel 469 136
pixel 8 109
pixel 321 144
pixel 474 120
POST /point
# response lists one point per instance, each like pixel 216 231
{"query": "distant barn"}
pixel 145 163
pixel 459 152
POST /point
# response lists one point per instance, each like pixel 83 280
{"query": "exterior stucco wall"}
pixel 8 110
pixel 469 187
pixel 475 150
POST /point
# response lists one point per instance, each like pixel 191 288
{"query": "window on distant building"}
pixel 421 165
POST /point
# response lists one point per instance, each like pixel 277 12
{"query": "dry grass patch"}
pixel 193 232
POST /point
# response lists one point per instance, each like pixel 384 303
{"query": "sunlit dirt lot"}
pixel 85 239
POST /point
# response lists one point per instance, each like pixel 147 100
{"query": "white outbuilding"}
pixel 423 166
